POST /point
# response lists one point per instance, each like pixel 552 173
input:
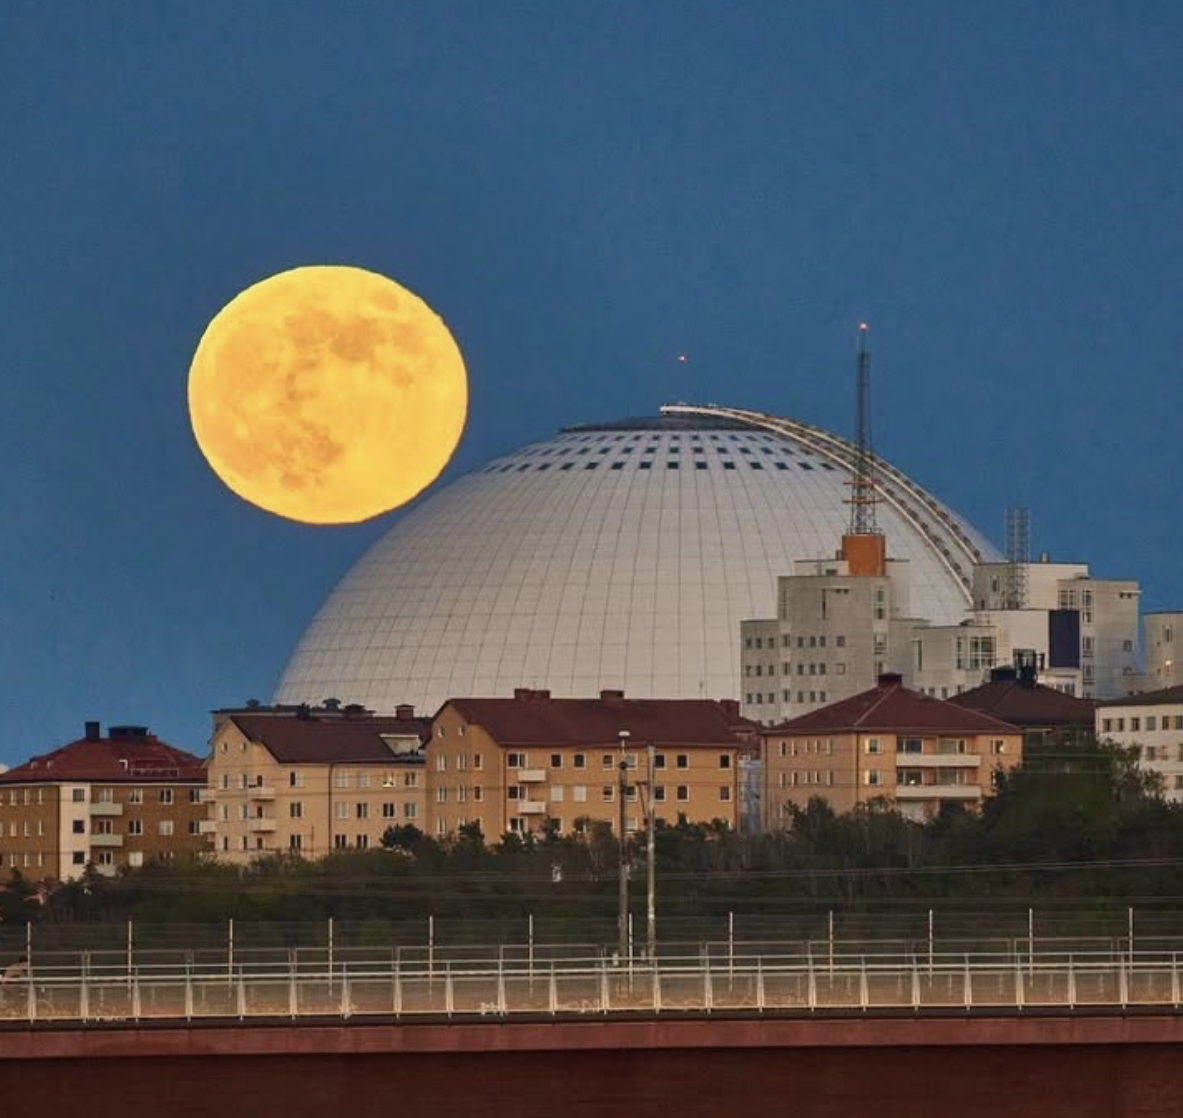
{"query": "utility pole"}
pixel 622 914
pixel 651 843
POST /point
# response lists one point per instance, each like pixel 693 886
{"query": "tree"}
pixel 402 836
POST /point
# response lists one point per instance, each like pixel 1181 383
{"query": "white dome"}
pixel 623 555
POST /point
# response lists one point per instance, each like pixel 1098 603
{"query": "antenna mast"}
pixel 1018 555
pixel 862 498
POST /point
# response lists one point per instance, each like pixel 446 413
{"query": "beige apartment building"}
pixel 889 743
pixel 126 799
pixel 1153 724
pixel 520 765
pixel 310 781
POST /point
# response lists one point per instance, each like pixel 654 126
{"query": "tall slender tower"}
pixel 863 547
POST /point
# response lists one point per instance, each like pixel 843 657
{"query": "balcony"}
pixel 531 776
pixel 106 809
pixel 938 792
pixel 261 792
pixel 207 795
pixel 207 827
pixel 260 826
pixel 106 841
pixel 531 807
pixel 938 760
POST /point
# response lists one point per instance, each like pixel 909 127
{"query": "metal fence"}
pixel 519 981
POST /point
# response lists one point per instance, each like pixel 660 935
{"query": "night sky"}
pixel 583 191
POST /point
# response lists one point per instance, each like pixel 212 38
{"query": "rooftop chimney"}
pixel 404 712
pixel 612 698
pixel 94 732
pixel 332 704
pixel 890 679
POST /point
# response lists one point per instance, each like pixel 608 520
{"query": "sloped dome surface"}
pixel 616 556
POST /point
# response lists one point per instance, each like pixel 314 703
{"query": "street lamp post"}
pixel 622 913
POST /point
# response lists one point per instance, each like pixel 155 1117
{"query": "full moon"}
pixel 327 394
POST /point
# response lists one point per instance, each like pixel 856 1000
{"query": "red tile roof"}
pixel 1027 705
pixel 1166 697
pixel 540 720
pixel 293 740
pixel 141 759
pixel 891 708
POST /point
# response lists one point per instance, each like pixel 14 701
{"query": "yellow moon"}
pixel 327 394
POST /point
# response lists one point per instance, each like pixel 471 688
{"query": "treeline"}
pixel 1078 821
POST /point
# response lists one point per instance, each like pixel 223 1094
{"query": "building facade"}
pixel 1152 723
pixel 311 781
pixel 123 800
pixel 911 751
pixel 533 762
pixel 1162 643
pixel 837 631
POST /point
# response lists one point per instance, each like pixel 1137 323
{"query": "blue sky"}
pixel 583 191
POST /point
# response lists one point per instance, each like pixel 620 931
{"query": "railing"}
pixel 508 985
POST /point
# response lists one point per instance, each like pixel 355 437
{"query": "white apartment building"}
pixel 1152 723
pixel 835 633
pixel 1162 646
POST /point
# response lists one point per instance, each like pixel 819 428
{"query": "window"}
pixel 105 858
pixel 341 810
pixel 462 794
pixel 515 760
pixel 441 763
pixel 1151 722
pixel 411 780
pixel 579 761
pixel 135 826
pixel 579 793
pixel 389 811
pixel 340 780
pixel 1106 725
pixel 166 795
pixel 441 794
pixel 658 794
pixel 135 795
pixel 195 795
pixel 1136 723
pixel 79 826
pixel 77 795
pixel 295 779
pixel 683 761
pixel 725 794
pixel 872 778
pixel 724 760
pixel 683 793
pixel 630 792
pixel 100 827
pixel 363 811
pixel 556 793
pixel 363 841
pixel 913 745
pixel 478 793
pixel 105 796
pixel 363 780
pixel 296 810
pixel 659 760
pixel 608 793
pixel 340 842
pixel 997 746
pixel 166 826
pixel 478 761
pixel 79 858
pixel 556 760
pixel 871 745
pixel 606 761
pixel 295 842
pixel 410 811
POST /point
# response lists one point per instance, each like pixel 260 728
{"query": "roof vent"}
pixel 1006 674
pixel 612 698
pixel 331 704
pixel 124 732
pixel 94 731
